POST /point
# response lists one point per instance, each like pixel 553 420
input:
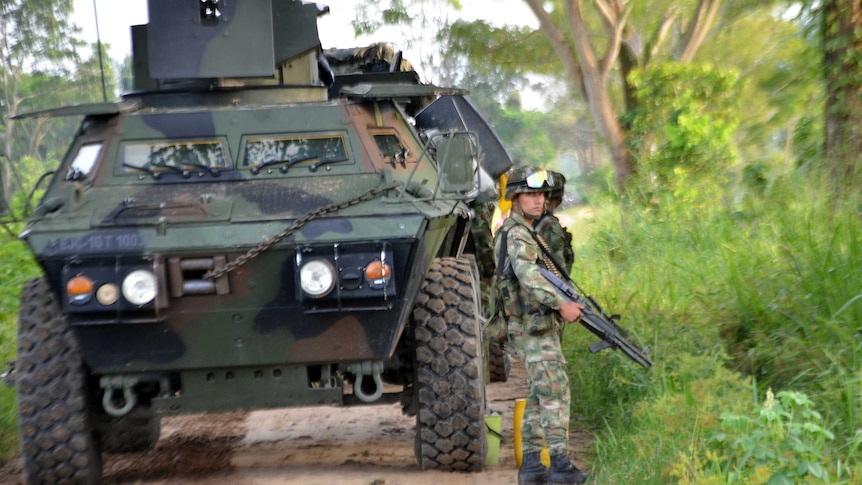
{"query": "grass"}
pixel 734 297
pixel 16 266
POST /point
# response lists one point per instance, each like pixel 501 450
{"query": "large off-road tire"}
pixel 449 387
pixel 135 432
pixel 499 362
pixel 54 419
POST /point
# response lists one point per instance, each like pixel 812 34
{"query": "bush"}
pixel 784 442
pixel 729 292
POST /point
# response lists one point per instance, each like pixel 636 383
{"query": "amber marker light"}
pixel 377 270
pixel 79 289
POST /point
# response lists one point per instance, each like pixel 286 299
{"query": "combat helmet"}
pixel 558 186
pixel 529 178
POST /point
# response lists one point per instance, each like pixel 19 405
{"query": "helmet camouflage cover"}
pixel 529 178
pixel 559 184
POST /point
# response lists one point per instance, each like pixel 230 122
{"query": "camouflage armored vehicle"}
pixel 258 224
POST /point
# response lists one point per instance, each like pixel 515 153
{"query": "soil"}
pixel 370 445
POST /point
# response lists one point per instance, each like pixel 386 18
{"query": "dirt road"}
pixel 311 446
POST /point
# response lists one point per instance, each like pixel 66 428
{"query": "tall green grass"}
pixel 735 296
pixel 16 266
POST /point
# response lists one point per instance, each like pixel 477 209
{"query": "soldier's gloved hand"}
pixel 571 311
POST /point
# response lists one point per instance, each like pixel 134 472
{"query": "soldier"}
pixel 549 227
pixel 480 243
pixel 535 312
pixel 559 238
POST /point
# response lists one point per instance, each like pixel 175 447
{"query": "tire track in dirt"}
pixel 192 447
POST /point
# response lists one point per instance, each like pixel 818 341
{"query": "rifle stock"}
pixel 595 320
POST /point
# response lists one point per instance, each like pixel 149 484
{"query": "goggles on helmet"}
pixel 538 179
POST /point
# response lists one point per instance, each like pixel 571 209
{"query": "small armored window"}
pixel 388 144
pixel 186 154
pixel 84 161
pixel 391 148
pixel 286 151
pixel 210 10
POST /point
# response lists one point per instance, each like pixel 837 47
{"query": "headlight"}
pixel 140 287
pixel 317 278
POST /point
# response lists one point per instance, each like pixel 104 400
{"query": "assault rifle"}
pixel 594 318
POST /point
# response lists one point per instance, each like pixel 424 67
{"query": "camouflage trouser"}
pixel 546 414
pixel 485 294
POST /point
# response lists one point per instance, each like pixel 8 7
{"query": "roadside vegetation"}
pixel 752 306
pixel 16 267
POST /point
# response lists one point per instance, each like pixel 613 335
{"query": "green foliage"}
pixel 684 122
pixel 524 134
pixel 516 49
pixel 41 69
pixel 781 81
pixel 761 285
pixel 16 266
pixel 808 142
pixel 784 442
pixel 37 35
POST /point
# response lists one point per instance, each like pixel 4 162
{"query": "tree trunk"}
pixel 842 47
pixel 595 73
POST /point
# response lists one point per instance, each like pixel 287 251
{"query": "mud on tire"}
pixel 450 422
pixel 57 442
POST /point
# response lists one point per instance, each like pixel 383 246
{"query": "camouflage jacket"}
pixel 532 303
pixel 559 240
pixel 480 230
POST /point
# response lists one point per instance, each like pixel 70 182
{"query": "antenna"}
pixel 99 46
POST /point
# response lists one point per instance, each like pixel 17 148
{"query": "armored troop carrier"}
pixel 260 223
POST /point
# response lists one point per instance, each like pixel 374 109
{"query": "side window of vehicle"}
pixel 286 151
pixel 177 154
pixel 84 161
pixel 391 149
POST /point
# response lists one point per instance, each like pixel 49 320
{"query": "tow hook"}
pixel 367 390
pixel 114 385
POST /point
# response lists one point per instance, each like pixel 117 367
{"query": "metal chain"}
pixel 297 224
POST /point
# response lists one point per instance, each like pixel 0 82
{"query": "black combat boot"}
pixel 532 471
pixel 564 472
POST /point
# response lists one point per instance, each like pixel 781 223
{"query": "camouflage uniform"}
pixel 559 240
pixel 481 245
pixel 534 327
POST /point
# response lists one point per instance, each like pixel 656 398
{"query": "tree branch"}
pixel 607 12
pixel 614 43
pixel 661 35
pixel 558 42
pixel 701 21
